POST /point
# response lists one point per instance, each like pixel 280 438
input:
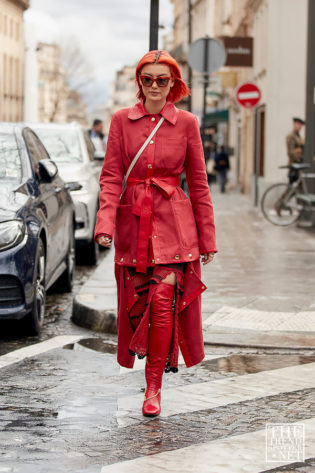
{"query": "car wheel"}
pixel 34 320
pixel 92 252
pixel 66 279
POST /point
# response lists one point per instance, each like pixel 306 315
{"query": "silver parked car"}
pixel 71 148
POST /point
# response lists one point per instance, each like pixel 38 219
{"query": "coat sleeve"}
pixel 111 178
pixel 199 191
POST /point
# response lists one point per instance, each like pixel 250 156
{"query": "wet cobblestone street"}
pixel 71 407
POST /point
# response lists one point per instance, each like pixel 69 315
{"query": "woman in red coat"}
pixel 160 233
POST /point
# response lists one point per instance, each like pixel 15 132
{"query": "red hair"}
pixel 179 89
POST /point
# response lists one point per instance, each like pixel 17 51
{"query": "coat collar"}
pixel 169 111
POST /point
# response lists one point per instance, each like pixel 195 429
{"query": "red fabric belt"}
pixel 143 207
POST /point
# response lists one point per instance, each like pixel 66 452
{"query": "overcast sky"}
pixel 111 33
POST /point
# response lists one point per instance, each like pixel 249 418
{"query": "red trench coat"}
pixel 154 222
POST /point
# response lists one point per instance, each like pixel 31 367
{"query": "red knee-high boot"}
pixel 161 326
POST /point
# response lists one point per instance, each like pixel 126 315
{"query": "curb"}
pixel 253 339
pixel 97 320
pixel 94 307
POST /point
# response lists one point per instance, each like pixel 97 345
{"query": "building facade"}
pixel 279 32
pixel 12 59
pixel 52 87
pixel 122 93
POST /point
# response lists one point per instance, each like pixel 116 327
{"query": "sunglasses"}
pixel 160 81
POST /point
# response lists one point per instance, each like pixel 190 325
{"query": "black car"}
pixel 37 223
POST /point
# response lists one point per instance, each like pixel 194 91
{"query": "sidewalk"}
pixel 260 285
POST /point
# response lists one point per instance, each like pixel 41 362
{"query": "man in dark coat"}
pixel 222 165
pixel 295 147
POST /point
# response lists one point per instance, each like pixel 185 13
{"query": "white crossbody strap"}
pixel 145 144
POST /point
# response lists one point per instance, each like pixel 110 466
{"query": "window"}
pixel 17 78
pixel 35 148
pixel 5 77
pixel 10 76
pixel 10 161
pixel 63 145
pixel 89 145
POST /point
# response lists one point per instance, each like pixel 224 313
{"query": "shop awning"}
pixel 218 116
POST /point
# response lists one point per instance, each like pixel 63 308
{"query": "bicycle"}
pixel 283 204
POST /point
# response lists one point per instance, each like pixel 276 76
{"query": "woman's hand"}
pixel 104 241
pixel 207 258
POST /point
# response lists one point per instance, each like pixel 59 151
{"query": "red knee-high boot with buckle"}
pixel 161 326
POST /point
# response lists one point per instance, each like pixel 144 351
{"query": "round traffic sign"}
pixel 210 62
pixel 248 95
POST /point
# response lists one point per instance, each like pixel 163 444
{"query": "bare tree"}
pixel 78 70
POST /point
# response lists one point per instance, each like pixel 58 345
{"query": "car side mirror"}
pixel 47 170
pixel 99 155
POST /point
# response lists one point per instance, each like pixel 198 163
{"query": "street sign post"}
pixel 248 95
pixel 206 55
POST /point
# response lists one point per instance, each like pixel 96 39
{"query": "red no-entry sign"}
pixel 248 95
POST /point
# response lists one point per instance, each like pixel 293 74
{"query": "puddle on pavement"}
pixel 246 364
pixel 94 344
pixel 43 412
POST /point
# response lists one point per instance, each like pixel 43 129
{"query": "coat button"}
pixel 203 287
pixel 157 259
pixel 190 255
pixel 154 236
pixel 151 142
pixel 150 166
pixel 184 303
pixel 152 261
pixel 121 259
pixel 153 119
pixel 191 272
pixel 176 256
pixel 135 295
pixel 134 260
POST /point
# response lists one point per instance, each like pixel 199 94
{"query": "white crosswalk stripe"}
pixel 245 453
pixel 235 454
pixel 140 364
pixel 37 348
pixel 207 395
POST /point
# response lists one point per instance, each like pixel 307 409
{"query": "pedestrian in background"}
pixel 295 147
pixel 97 136
pixel 160 234
pixel 222 165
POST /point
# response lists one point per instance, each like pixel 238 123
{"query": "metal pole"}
pixel 205 86
pixel 189 42
pixel 256 166
pixel 309 154
pixel 154 25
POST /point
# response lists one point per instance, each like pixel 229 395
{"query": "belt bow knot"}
pixel 143 208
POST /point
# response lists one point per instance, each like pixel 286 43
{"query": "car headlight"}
pixel 11 233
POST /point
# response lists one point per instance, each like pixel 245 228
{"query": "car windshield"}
pixel 63 146
pixel 10 161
